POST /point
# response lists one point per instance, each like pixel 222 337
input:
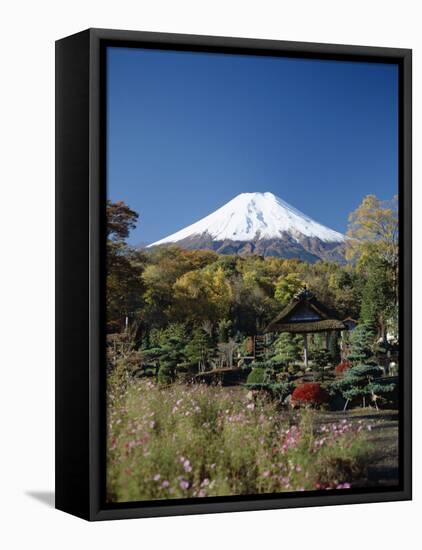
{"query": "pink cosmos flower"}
pixel 343 486
pixel 184 485
pixel 186 466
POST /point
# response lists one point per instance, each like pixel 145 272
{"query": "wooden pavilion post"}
pixel 305 349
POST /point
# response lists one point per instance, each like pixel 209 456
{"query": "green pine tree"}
pixel 321 359
pixel 168 351
pixel 198 348
pixel 378 296
pixel 287 348
pixel 362 342
pixel 360 381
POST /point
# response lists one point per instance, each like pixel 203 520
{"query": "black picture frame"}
pixel 80 265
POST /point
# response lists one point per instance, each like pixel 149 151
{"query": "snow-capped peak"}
pixel 252 216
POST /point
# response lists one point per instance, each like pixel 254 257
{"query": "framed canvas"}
pixel 233 281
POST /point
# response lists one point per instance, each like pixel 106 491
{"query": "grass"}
pixel 196 441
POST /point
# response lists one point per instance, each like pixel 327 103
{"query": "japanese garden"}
pixel 242 370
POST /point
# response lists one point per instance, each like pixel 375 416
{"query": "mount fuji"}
pixel 263 224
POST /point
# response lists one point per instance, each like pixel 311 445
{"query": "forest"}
pixel 190 310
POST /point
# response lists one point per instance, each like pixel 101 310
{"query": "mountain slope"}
pixel 264 224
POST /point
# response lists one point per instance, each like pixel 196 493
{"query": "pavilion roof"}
pixel 305 314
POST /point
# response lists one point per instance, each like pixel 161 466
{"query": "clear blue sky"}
pixel 189 131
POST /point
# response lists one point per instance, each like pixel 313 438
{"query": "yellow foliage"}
pixel 373 229
pixel 286 287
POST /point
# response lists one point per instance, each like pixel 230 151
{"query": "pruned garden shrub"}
pixel 309 393
pixel 256 376
pixel 361 382
pixel 321 361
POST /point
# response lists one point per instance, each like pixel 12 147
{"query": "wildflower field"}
pixel 184 441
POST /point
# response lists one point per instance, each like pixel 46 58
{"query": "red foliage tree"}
pixel 309 393
pixel 342 367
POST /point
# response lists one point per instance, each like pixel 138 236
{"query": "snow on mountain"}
pixel 256 217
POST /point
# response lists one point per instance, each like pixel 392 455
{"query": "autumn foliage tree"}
pixel 309 393
pixel 373 228
pixel 286 287
pixel 374 245
pixel 374 232
pixel 124 265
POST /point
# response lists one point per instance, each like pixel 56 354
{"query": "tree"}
pixel 374 226
pixel 374 245
pixel 201 294
pixel 344 290
pixel 286 287
pixel 265 376
pixel 198 348
pixel 287 348
pixel 168 350
pixel 377 297
pixel 221 295
pixel 253 305
pixel 176 285
pixel 120 220
pixel 192 297
pixel 124 265
pixel 321 358
pixel 360 381
pixel 361 344
pixel 373 232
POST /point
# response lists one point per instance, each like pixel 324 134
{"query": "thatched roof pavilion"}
pixel 305 314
